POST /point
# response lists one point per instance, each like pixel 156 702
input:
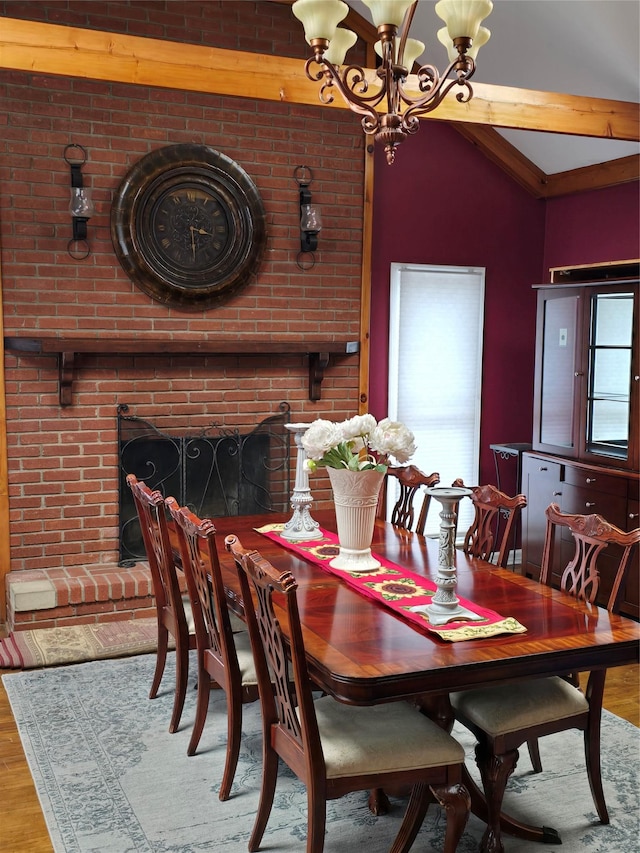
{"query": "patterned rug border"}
pixel 42 647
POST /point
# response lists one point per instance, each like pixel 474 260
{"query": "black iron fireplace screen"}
pixel 216 472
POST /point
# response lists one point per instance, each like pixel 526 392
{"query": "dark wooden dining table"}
pixel 361 652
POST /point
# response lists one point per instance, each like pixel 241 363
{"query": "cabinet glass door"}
pixel 609 388
pixel 559 369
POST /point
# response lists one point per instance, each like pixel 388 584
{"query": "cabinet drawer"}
pixel 585 501
pixel 595 481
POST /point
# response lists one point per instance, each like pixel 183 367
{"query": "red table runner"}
pixel 398 589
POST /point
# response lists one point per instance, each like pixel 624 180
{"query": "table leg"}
pixel 492 842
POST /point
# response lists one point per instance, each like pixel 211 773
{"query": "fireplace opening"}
pixel 215 472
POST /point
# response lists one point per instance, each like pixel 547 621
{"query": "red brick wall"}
pixel 62 461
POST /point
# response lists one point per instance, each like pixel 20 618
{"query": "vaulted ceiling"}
pixel 578 47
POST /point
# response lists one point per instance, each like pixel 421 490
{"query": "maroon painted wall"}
pixel 443 202
pixel 589 228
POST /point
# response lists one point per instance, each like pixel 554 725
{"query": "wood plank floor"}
pixel 22 826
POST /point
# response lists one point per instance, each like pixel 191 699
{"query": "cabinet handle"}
pixel 556 494
pixel 591 479
pixel 589 504
pixel 578 373
pixel 633 515
pixel 542 468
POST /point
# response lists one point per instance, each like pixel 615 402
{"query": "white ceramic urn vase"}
pixel 355 496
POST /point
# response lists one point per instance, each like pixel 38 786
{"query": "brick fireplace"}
pixel 188 368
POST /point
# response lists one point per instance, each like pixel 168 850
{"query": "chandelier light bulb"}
pixel 482 37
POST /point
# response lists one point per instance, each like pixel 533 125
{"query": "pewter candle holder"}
pixel 445 605
pixel 301 527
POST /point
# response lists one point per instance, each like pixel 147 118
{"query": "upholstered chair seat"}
pixel 380 739
pixel 512 707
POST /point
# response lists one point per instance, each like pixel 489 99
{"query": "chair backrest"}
pixel 491 529
pixel 287 707
pixel 592 534
pixel 201 565
pixel 150 507
pixel 411 479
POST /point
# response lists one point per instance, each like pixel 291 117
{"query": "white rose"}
pixel 320 437
pixel 391 438
pixel 358 426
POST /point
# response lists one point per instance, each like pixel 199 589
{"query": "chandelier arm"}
pixel 431 100
pixel 406 26
pixel 352 77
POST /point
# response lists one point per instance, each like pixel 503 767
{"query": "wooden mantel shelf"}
pixel 67 350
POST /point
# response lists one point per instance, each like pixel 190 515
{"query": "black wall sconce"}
pixel 81 206
pixel 310 218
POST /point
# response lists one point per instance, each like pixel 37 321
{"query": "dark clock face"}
pixel 188 226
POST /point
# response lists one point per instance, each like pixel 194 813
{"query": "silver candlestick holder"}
pixel 445 605
pixel 301 527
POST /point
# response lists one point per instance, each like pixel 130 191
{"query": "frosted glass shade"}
pixel 310 218
pixel 340 44
pixel 387 11
pixel 463 17
pixel 320 17
pixel 412 50
pixel 482 37
pixel 81 203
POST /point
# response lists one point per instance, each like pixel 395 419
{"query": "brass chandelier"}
pixel 399 116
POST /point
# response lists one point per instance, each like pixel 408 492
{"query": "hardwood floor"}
pixel 22 826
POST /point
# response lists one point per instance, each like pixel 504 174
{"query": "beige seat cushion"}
pixel 236 622
pixel 188 613
pixel 381 738
pixel 245 657
pixel 499 710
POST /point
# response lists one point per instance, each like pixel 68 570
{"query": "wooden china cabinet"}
pixel 586 433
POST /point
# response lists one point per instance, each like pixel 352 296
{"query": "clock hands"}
pixel 194 231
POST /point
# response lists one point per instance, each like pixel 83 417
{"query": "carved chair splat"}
pixel 411 480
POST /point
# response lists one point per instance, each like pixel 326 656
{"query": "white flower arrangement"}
pixel 358 444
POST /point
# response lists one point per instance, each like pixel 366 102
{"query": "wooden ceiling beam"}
pixel 596 177
pixel 538 183
pixel 93 54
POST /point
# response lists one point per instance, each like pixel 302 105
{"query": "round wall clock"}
pixel 188 226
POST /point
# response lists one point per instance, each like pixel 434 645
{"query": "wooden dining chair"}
pixel 411 480
pixel 504 717
pixel 489 536
pixel 224 657
pixel 332 747
pixel 173 608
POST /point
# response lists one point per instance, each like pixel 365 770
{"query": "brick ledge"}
pixel 45 598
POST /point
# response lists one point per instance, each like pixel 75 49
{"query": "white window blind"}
pixel 435 371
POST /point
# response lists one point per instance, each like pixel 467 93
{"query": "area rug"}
pixel 112 779
pixel 77 643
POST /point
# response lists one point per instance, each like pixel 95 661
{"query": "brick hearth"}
pixel 80 595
